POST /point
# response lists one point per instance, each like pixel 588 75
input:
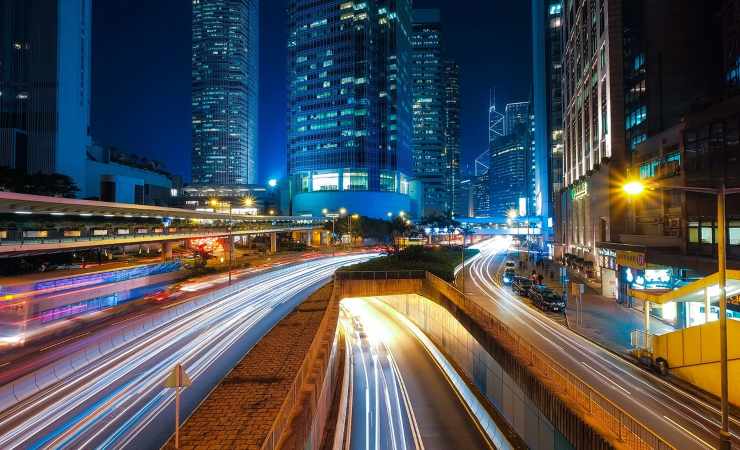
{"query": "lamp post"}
pixel 333 217
pixel 635 188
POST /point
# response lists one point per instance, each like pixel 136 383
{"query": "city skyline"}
pixel 116 23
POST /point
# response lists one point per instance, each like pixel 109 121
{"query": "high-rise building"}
pixel 349 116
pixel 630 71
pixel 429 152
pixel 547 18
pixel 452 138
pixel 509 175
pixel 225 80
pixel 45 86
pixel 516 117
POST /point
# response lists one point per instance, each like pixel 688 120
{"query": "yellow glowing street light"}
pixel 324 211
pixel 402 214
pixel 355 216
pixel 512 214
pixel 633 188
pixel 248 202
pixel 342 211
pixel 272 212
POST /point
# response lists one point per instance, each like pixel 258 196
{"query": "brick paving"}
pixel 238 414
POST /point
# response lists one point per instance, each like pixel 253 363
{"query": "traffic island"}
pixel 274 390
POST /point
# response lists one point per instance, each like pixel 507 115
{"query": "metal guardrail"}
pixel 380 275
pixel 628 430
pixel 642 340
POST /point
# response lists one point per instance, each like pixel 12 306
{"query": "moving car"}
pixel 509 275
pixel 521 285
pixel 546 299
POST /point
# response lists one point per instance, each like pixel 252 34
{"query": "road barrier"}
pixel 594 408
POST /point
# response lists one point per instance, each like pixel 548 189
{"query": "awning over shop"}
pixel 692 292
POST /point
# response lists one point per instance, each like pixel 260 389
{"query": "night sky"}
pixel 141 74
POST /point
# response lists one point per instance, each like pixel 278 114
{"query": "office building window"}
pixel 325 181
pixel 733 236
pixel 388 181
pixel 354 181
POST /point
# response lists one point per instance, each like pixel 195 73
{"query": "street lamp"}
pixel 634 188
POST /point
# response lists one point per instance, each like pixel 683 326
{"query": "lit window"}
pixel 325 181
pixel 355 181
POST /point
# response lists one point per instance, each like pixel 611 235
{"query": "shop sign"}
pixel 636 260
pixel 579 190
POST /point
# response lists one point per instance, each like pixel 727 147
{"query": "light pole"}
pixel 635 188
pixel 349 223
pixel 333 216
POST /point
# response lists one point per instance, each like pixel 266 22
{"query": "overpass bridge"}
pixel 34 224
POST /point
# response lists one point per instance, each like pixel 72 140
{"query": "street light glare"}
pixel 633 188
pixel 512 214
pixel 342 211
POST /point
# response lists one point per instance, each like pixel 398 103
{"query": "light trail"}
pixel 113 399
pixel 643 395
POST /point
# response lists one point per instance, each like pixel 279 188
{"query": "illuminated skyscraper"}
pixel 45 86
pixel 225 81
pixel 349 119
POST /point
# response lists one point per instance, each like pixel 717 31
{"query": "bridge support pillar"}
pixel 273 243
pixel 166 250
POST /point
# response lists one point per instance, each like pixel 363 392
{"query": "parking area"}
pixel 539 297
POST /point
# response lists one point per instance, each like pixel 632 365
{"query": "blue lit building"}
pixel 349 118
pixel 510 184
pixel 547 53
pixel 45 86
pixel 225 83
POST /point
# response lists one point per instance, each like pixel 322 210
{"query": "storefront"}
pixel 607 262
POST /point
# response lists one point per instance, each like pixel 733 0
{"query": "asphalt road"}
pixel 683 420
pixel 401 398
pixel 118 400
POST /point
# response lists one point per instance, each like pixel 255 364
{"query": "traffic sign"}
pixel 177 378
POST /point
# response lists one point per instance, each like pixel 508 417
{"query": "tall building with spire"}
pixel 225 81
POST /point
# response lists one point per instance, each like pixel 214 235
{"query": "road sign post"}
pixel 177 380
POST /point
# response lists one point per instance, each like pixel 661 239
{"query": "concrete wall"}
pixel 693 355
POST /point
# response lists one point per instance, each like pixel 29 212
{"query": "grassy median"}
pixel 440 261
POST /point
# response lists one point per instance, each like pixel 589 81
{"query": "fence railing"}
pixel 380 275
pixel 629 431
pixel 641 340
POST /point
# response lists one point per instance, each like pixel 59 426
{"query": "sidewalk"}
pixel 603 320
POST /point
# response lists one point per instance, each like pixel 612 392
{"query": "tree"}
pixel 53 184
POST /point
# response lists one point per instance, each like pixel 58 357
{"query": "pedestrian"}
pixel 540 278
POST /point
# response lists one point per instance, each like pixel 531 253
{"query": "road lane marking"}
pixel 4 364
pixel 130 318
pixel 63 341
pixel 697 438
pixel 611 382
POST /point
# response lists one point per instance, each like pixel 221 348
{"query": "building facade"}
pixel 548 104
pixel 516 117
pixel 510 185
pixel 594 147
pixel 225 82
pixel 452 139
pixel 45 86
pixel 349 116
pixel 428 73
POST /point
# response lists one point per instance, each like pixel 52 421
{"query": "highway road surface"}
pixel 683 420
pixel 118 400
pixel 401 399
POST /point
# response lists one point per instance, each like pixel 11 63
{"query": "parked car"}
pixel 509 264
pixel 546 299
pixel 509 275
pixel 521 285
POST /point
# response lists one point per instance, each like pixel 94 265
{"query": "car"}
pixel 509 275
pixel 510 264
pixel 521 285
pixel 547 300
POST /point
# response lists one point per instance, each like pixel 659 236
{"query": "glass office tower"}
pixel 225 89
pixel 349 105
pixel 45 86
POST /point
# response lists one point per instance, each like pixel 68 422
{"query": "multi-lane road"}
pixel 115 396
pixel 401 398
pixel 682 419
